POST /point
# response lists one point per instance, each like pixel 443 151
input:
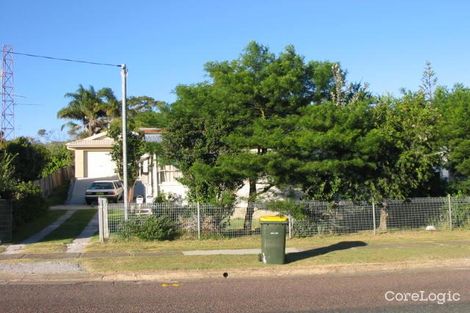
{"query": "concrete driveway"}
pixel 77 190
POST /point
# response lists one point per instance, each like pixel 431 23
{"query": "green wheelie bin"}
pixel 273 239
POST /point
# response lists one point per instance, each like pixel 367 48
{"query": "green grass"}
pixel 25 231
pixel 72 227
pixel 58 195
pixel 360 255
pixel 247 242
pixel 136 245
pixel 386 248
pixel 163 263
pixel 65 234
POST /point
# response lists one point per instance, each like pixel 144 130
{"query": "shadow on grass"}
pixel 343 245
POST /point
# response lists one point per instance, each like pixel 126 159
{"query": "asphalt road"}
pixel 322 293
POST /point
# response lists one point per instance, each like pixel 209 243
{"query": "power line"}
pixel 64 59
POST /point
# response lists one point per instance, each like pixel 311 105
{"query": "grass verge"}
pixel 31 228
pixel 332 250
pixel 65 234
pixel 314 257
pixel 248 242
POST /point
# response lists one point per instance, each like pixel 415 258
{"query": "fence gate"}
pixel 6 221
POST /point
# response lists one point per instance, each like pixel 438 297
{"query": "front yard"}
pixel 355 249
pixel 57 241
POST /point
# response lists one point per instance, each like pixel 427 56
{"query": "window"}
pixel 102 186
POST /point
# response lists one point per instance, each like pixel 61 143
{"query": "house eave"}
pixel 91 145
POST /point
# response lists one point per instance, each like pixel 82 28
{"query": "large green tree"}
pixel 193 142
pixel 135 150
pixel 454 106
pixel 363 150
pixel 404 146
pixel 216 133
pixel 147 112
pixel 324 151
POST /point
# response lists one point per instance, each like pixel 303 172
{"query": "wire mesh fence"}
pixel 193 220
pixel 309 219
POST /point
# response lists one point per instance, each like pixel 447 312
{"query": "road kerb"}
pixel 271 271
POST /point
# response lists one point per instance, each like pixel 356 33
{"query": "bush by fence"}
pixel 28 203
pixel 149 228
pixel 311 218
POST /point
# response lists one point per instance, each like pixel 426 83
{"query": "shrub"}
pixel 150 228
pixel 30 158
pixel 28 203
pixel 158 228
pixel 461 215
pixel 129 229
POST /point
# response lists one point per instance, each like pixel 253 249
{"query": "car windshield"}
pixel 102 186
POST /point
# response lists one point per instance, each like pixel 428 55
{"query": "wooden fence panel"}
pixel 54 180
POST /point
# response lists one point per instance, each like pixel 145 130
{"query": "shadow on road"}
pixel 343 245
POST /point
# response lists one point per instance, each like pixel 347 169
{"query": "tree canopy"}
pixel 278 122
pixel 454 127
pixel 223 132
pixel 93 109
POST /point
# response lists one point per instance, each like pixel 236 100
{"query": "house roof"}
pixel 101 140
pixel 152 134
pixel 147 130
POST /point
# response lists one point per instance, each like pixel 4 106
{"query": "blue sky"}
pixel 166 43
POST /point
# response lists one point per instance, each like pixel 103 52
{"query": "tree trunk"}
pixel 383 218
pixel 130 193
pixel 250 209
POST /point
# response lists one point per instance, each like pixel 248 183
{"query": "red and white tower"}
pixel 7 122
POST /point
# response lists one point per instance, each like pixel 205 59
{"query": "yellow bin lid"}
pixel 273 218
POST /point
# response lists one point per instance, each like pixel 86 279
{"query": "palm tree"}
pixel 93 110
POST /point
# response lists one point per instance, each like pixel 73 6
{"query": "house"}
pixel 93 161
pixel 93 156
pixel 156 179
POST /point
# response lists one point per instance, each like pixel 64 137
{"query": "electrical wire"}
pixel 64 59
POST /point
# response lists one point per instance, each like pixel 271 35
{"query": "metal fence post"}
pixel 450 211
pixel 198 221
pixel 373 217
pixel 105 219
pixel 290 225
pixel 100 219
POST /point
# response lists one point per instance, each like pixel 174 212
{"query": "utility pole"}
pixel 124 138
